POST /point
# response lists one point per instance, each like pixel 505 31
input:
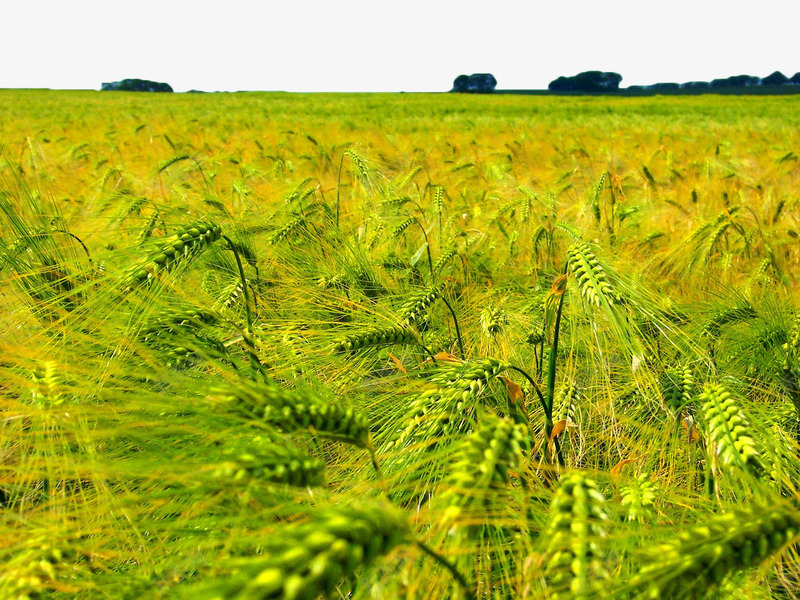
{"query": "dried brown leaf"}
pixel 617 468
pixel 398 363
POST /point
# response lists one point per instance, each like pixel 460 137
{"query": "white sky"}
pixel 374 45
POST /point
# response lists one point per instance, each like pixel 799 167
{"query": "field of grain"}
pixel 398 346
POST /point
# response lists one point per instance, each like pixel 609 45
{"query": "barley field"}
pixel 399 346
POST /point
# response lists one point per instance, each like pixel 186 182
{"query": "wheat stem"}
pixel 551 375
pixel 442 561
pixel 427 246
pixel 255 365
pixel 533 384
pixel 455 322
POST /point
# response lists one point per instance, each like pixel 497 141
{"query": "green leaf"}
pixel 418 254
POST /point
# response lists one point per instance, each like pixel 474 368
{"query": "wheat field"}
pixel 399 346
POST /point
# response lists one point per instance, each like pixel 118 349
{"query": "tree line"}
pixel 605 81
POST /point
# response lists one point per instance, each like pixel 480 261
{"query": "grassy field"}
pixel 399 346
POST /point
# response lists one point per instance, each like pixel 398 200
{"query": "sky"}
pixel 381 46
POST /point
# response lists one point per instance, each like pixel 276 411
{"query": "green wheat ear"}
pixel 729 429
pixel 375 338
pixel 402 226
pixel 678 388
pixel 577 517
pixel 591 277
pixel 442 261
pixel 446 408
pixel 290 410
pixel 313 559
pixel 597 191
pixel 48 388
pixel 289 229
pixel 418 303
pixel 697 560
pixel 639 497
pixel 482 464
pixel 266 460
pixel 174 251
pixel 566 403
pixel 360 164
pixel 39 569
pixel 492 320
pixel 729 316
pixel 437 199
pixel 403 181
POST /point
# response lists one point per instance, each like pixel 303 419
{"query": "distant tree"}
pixel 477 83
pixel 562 84
pixel 136 85
pixel 795 79
pixel 736 81
pixel 588 81
pixel 460 84
pixel 482 82
pixel 776 78
pixel 695 85
pixel 664 86
pixel 744 80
